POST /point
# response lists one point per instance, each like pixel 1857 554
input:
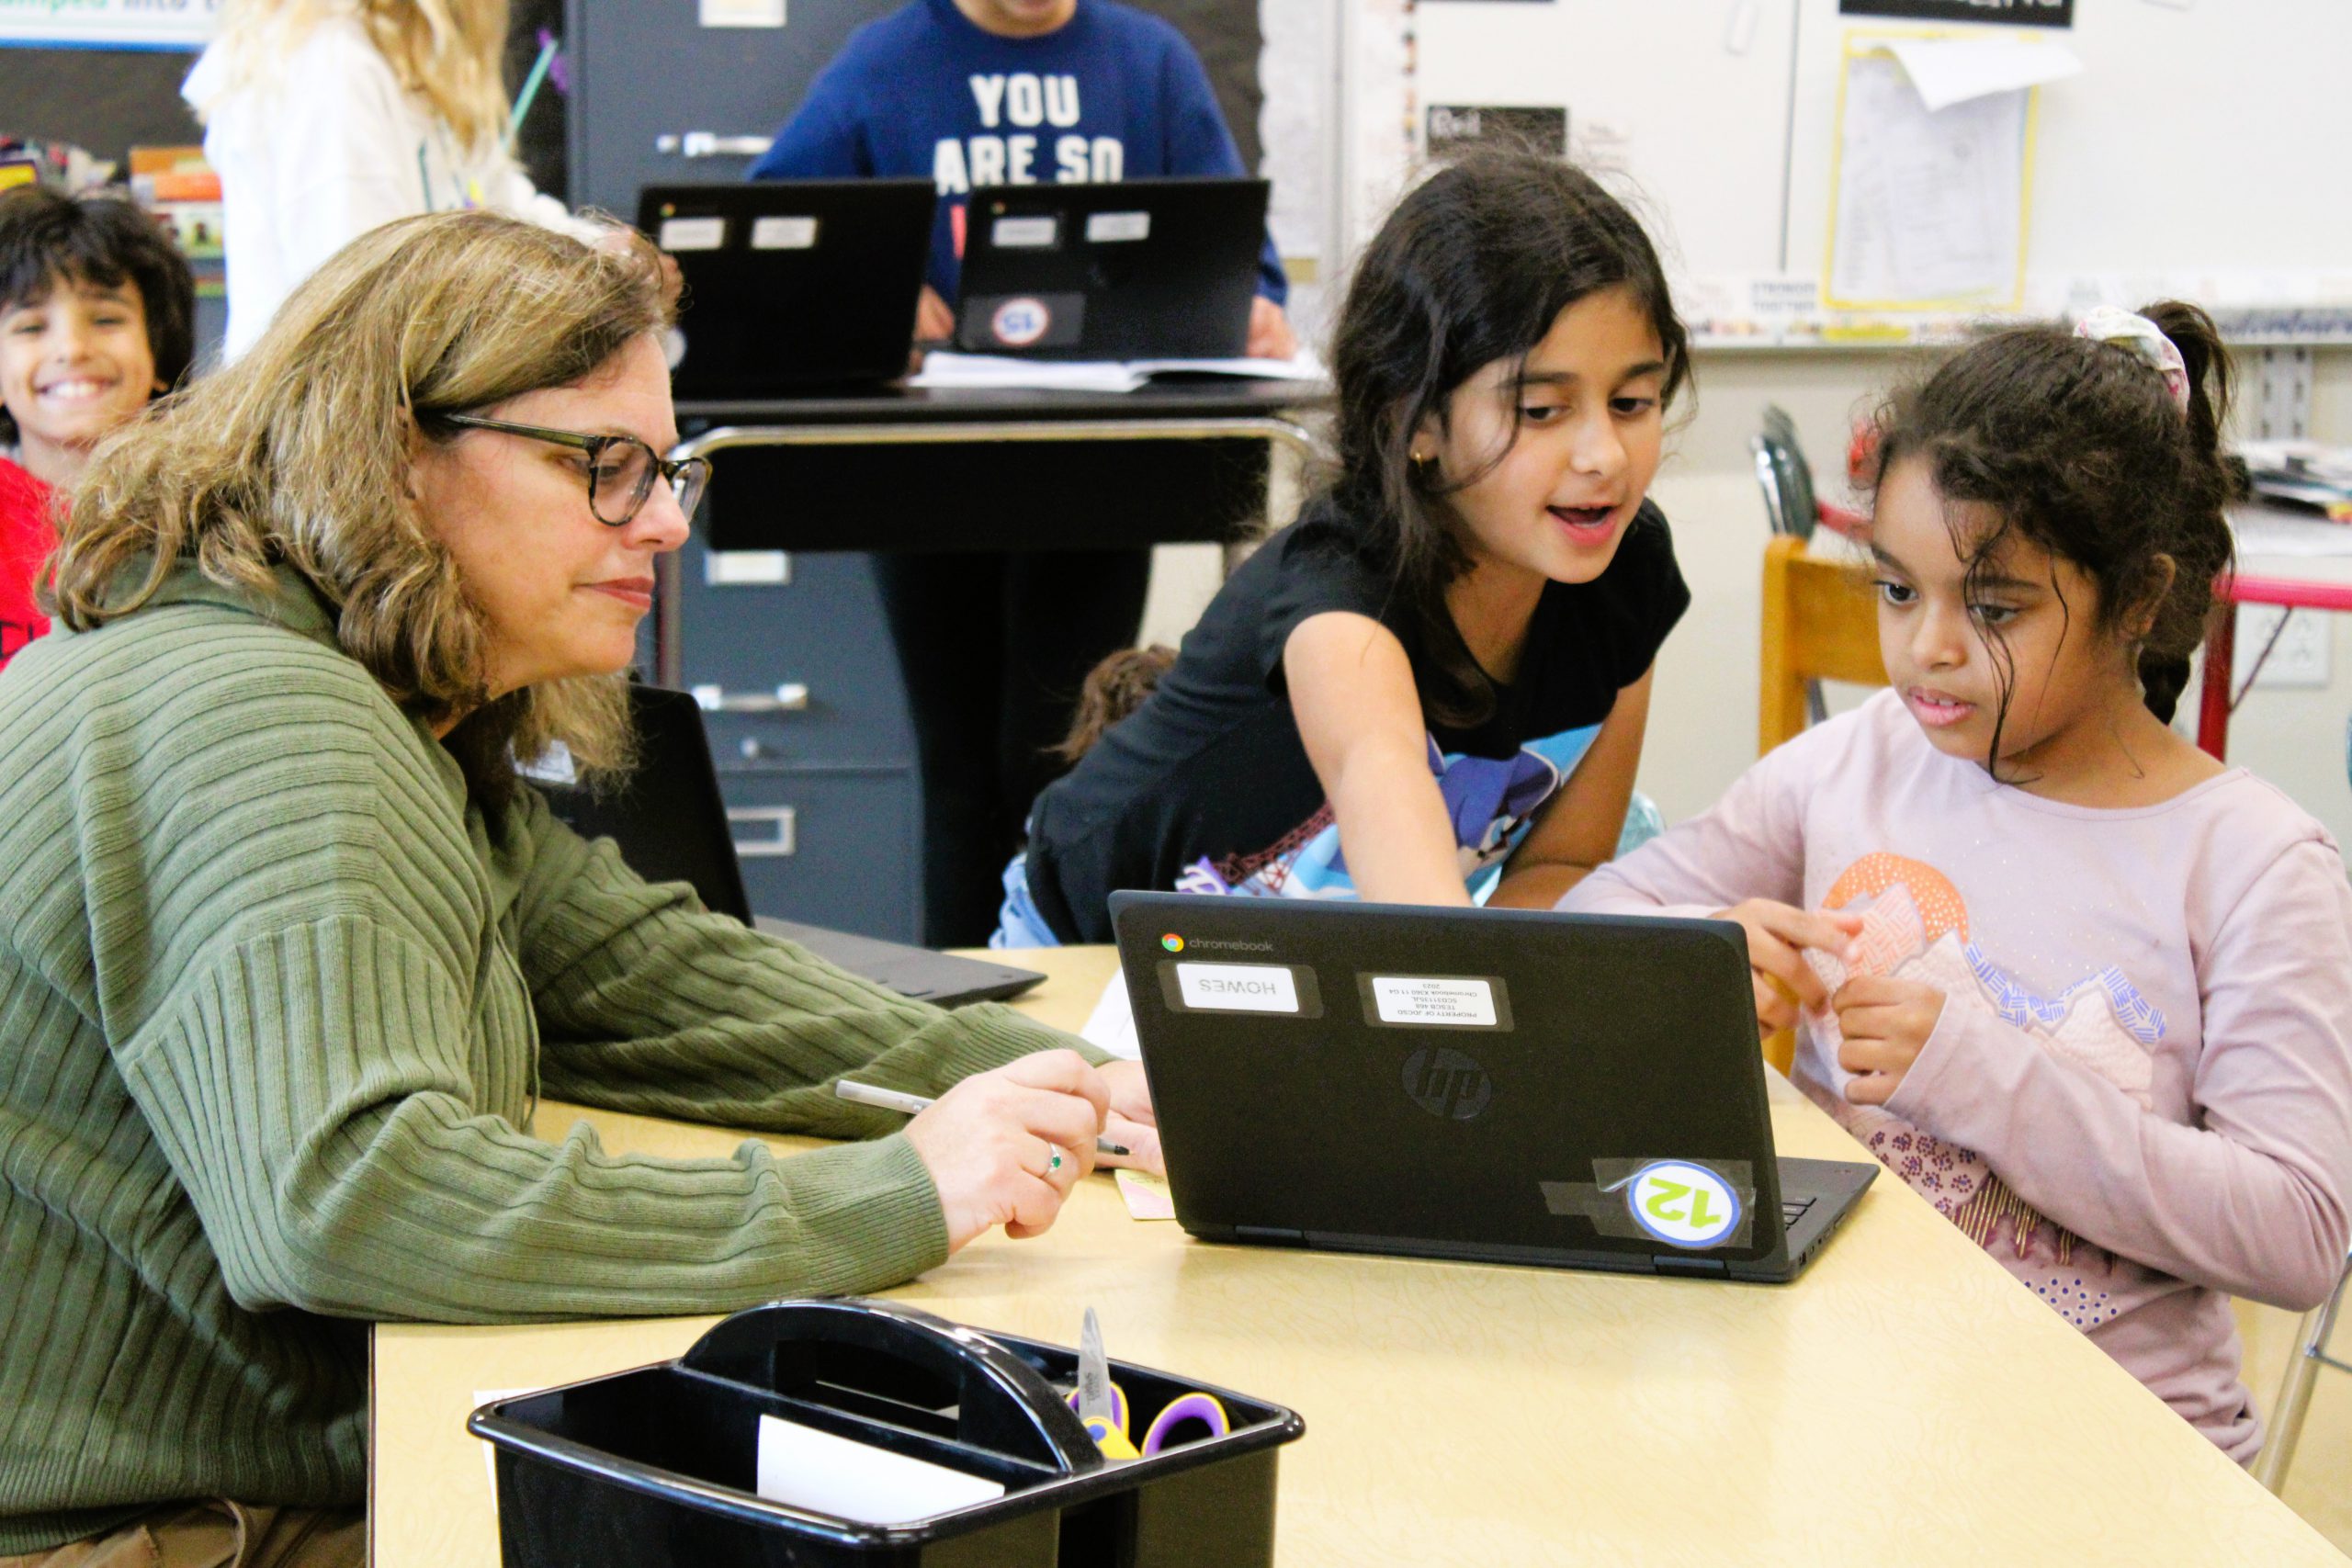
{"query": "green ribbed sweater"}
pixel 274 995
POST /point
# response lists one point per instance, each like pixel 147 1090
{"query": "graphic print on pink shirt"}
pixel 1914 927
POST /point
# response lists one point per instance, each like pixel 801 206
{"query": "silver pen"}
pixel 916 1104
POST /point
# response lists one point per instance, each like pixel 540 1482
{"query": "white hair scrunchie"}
pixel 2144 338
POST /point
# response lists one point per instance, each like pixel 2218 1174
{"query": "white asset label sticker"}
pixel 693 233
pixel 784 234
pixel 1238 987
pixel 1111 227
pixel 1025 233
pixel 1433 998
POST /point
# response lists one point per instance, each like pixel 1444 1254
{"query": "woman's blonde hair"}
pixel 300 453
pixel 447 52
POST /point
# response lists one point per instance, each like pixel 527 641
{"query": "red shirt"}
pixel 26 538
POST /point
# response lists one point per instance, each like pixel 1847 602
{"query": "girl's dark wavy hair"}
pixel 1471 267
pixel 2077 445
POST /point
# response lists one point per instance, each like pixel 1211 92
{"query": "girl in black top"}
pixel 1432 688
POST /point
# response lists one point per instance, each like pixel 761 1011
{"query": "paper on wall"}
pixel 1930 205
pixel 1952 71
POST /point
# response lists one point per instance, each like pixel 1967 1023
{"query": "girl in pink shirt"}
pixel 2083 988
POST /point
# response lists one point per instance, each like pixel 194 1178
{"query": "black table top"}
pixel 1218 397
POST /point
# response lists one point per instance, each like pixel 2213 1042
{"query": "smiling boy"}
pixel 96 317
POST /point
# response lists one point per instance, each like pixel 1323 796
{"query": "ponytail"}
pixel 2201 547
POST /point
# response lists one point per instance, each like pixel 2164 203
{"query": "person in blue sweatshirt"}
pixel 995 648
pixel 1016 92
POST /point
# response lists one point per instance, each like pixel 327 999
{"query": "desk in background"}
pixel 1904 1401
pixel 814 745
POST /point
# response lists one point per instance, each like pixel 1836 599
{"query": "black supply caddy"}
pixel 656 1468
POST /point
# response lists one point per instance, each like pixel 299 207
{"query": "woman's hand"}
pixel 1778 935
pixel 1886 1022
pixel 992 1143
pixel 1131 1124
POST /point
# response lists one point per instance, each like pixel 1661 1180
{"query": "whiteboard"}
pixel 1658 104
pixel 2205 150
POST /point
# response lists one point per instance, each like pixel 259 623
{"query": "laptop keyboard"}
pixel 1793 1209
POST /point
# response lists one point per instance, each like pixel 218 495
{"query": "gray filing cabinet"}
pixel 820 783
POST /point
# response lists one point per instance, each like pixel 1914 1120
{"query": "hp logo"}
pixel 1447 1083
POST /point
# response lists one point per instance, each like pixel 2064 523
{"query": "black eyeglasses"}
pixel 620 467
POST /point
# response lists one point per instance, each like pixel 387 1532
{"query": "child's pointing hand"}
pixel 1778 935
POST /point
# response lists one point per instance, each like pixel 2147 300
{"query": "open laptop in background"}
pixel 1499 1085
pixel 1142 269
pixel 670 826
pixel 791 284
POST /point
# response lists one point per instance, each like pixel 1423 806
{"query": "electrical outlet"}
pixel 2299 657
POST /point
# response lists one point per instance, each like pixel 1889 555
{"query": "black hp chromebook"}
pixel 1144 269
pixel 792 283
pixel 1502 1085
pixel 671 825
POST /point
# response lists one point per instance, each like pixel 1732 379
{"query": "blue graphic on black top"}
pixel 1492 801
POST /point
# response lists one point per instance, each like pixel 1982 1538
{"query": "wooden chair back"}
pixel 1819 625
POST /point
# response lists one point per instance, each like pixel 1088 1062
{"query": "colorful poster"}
pixel 110 24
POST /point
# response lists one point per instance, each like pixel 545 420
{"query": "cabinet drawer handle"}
pixel 790 697
pixel 783 818
pixel 710 144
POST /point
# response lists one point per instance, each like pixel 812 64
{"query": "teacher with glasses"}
pixel 291 952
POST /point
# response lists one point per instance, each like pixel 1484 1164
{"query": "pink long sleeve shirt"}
pixel 2139 1094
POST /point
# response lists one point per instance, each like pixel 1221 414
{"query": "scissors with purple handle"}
pixel 1102 1405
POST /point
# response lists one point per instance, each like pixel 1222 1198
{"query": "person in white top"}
pixel 328 118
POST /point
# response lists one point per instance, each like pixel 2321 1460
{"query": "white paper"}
pixel 1952 71
pixel 784 234
pixel 1237 988
pixel 1433 998
pixel 946 369
pixel 850 1480
pixel 692 233
pixel 743 13
pixel 1929 205
pixel 1112 1024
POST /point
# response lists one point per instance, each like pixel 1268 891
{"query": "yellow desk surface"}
pixel 1904 1401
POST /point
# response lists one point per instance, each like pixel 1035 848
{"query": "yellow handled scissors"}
pixel 1101 1404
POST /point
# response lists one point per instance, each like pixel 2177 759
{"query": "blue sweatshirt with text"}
pixel 1113 94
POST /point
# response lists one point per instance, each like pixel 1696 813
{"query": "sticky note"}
pixel 1148 1196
